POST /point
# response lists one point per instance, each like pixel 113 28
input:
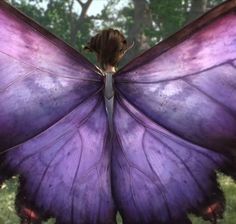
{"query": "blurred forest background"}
pixel 144 22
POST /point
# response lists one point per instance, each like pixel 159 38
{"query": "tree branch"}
pixel 80 21
pixel 81 3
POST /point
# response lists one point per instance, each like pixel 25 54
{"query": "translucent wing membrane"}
pixel 157 176
pixel 54 130
pixel 42 78
pixel 175 123
pixel 187 83
pixel 64 171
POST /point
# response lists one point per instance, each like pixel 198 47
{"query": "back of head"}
pixel 109 46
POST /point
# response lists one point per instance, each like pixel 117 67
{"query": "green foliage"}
pixel 229 188
pixel 7 197
pixel 168 17
pixel 7 206
pixel 8 192
pixel 32 10
pixel 64 19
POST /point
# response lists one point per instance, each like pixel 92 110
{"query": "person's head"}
pixel 109 45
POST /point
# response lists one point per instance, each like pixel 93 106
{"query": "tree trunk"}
pixel 75 25
pixel 142 20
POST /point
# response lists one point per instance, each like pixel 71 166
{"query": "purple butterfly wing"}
pixel 64 171
pixel 42 78
pixel 175 123
pixel 187 83
pixel 54 129
pixel 159 177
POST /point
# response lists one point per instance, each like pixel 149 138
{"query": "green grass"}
pixel 8 215
pixel 229 188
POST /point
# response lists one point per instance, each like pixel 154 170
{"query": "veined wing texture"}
pixel 54 130
pixel 187 83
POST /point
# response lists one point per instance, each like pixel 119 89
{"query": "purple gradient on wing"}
pixel 190 89
pixel 64 171
pixel 41 78
pixel 25 41
pixel 54 129
pixel 158 177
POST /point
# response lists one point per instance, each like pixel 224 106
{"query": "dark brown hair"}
pixel 109 46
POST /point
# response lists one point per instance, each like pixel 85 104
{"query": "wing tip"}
pixel 7 7
pixel 181 35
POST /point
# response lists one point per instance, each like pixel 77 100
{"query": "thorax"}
pixel 109 98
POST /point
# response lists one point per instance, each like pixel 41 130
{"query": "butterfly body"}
pixel 109 98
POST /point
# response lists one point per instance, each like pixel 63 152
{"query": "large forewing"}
pixel 158 177
pixel 41 78
pixel 187 83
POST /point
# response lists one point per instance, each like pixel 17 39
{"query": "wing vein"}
pixel 226 108
pixel 79 161
pixel 182 143
pixel 54 123
pixel 26 75
pixel 43 148
pixel 49 72
pixel 47 168
pixel 183 162
pixel 176 78
pixel 157 176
